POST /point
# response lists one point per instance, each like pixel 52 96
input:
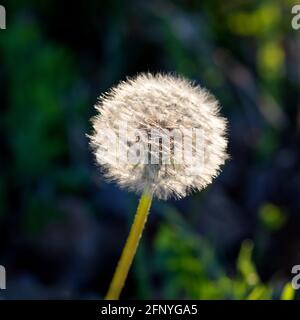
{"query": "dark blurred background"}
pixel 62 227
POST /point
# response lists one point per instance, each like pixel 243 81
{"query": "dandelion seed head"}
pixel 159 103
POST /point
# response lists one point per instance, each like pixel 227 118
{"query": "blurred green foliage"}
pixel 42 77
pixel 35 119
pixel 271 217
pixel 189 268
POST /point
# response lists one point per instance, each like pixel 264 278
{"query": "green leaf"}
pixel 288 293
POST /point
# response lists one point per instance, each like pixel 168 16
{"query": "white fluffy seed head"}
pixel 159 103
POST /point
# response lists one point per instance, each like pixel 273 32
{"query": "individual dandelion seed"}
pixel 158 135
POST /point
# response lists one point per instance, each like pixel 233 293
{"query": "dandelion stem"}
pixel 129 250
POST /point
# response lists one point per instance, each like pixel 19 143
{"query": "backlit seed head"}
pixel 160 132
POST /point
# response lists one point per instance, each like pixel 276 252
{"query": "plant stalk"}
pixel 129 250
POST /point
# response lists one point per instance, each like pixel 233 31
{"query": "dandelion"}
pixel 160 136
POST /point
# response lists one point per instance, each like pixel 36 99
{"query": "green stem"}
pixel 129 250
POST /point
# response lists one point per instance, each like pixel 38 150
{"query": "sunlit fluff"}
pixel 160 132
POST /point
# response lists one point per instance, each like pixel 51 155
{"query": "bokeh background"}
pixel 62 227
